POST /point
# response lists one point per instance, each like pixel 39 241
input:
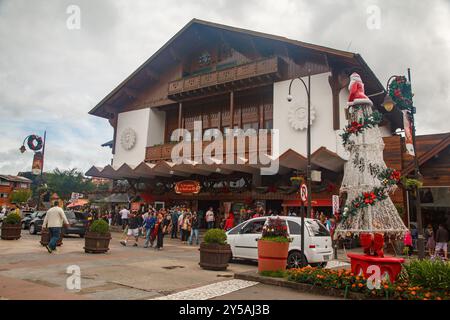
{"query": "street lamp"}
pixel 308 166
pixel 389 104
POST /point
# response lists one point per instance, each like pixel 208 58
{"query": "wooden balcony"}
pixel 163 152
pixel 242 76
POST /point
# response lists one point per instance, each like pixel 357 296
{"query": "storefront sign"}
pixel 187 186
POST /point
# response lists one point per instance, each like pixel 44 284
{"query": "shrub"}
pixel 275 230
pixel 12 218
pixel 426 273
pixel 215 236
pixel 99 226
pixel 274 274
pixel 348 282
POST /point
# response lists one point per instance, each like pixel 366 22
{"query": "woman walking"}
pixel 159 231
pixel 431 243
pixel 195 226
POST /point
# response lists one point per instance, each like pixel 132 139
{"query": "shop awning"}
pixel 314 203
pixel 78 203
pixel 321 158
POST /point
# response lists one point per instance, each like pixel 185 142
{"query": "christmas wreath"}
pixel 400 92
pixel 34 142
pixel 357 127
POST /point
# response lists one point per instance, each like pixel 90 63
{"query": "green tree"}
pixel 64 182
pixel 20 196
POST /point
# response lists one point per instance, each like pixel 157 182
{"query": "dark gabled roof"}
pixel 14 178
pixel 108 144
pixel 349 56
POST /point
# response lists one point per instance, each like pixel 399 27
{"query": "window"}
pixel 236 229
pixel 3 195
pixel 254 227
pixel 4 183
pixel 294 227
pixel 268 124
pixel 251 125
pixel 317 229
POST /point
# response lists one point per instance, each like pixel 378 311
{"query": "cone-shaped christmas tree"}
pixel 367 181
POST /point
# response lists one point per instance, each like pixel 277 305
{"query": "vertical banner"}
pixel 408 133
pixel 335 203
pixel 38 162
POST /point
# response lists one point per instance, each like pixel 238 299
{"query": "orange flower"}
pixel 353 285
pixel 386 286
pixel 360 285
pixel 438 298
pixel 413 293
pixel 427 295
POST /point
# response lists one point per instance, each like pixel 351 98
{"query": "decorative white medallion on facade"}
pixel 298 117
pixel 128 139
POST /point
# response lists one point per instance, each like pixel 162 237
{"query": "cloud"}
pixel 50 76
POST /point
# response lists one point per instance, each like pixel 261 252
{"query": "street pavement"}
pixel 28 271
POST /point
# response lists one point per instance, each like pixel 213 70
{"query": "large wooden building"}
pixel 231 78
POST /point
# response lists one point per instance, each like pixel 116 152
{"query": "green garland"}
pixel 357 127
pixel 401 93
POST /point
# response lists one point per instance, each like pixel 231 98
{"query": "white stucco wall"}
pixel 138 120
pixel 322 133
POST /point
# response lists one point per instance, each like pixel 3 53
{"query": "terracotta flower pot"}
pixel 272 256
pixel 45 238
pixel 11 231
pixel 214 256
pixel 96 242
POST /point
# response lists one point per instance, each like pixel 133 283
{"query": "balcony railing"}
pixel 164 151
pixel 240 73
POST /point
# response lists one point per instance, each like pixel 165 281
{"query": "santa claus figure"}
pixel 356 88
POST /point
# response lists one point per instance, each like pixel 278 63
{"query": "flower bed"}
pixel 349 282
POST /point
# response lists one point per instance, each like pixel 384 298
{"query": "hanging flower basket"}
pixel 297 181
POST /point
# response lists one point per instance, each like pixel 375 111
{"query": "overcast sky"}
pixel 51 76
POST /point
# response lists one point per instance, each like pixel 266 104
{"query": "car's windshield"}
pixel 70 215
pixel 317 229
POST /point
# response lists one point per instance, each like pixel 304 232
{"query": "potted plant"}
pixel 96 240
pixel 296 181
pixel 215 253
pixel 273 247
pixel 11 227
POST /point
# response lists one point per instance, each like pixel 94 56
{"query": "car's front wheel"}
pixel 23 226
pixel 294 259
pixel 32 229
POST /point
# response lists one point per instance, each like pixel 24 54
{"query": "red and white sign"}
pixel 303 192
pixel 187 186
pixel 335 203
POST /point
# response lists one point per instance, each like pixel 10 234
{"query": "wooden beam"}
pixel 336 87
pixel 180 114
pixel 231 110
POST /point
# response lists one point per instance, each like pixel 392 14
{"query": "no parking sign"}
pixel 303 192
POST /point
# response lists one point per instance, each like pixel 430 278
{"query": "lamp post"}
pixel 389 104
pixel 308 166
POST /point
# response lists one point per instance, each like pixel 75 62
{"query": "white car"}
pixel 243 240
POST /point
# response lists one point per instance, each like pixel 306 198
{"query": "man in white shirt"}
pixel 124 216
pixel 210 218
pixel 54 220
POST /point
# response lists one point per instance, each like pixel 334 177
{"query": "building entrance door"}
pixel 203 206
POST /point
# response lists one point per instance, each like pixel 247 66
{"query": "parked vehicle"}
pixel 243 240
pixel 28 217
pixel 35 225
pixel 77 223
